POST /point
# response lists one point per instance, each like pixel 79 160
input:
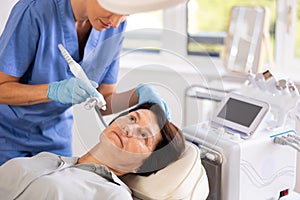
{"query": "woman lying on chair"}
pixel 140 141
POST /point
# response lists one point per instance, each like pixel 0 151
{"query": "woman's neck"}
pixel 88 158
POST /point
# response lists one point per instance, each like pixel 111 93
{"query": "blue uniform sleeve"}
pixel 19 40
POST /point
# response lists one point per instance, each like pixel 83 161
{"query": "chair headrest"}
pixel 176 181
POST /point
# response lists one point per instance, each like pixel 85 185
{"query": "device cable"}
pixel 284 141
pixel 292 139
pixel 296 137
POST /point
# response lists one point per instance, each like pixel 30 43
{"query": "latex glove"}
pixel 71 90
pixel 148 94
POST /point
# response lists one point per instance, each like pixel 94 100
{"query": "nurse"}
pixel 37 88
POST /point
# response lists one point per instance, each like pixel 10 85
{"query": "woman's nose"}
pixel 127 130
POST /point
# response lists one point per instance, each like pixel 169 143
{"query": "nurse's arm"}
pixel 116 102
pixel 14 93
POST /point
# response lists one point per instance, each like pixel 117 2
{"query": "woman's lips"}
pixel 120 138
pixel 104 24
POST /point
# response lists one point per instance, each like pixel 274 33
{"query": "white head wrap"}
pixel 126 7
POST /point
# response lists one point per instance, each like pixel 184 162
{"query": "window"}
pixel 297 35
pixel 202 27
pixel 144 31
pixel 288 36
pixel 208 21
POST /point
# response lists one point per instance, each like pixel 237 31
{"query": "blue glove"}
pixel 148 94
pixel 71 90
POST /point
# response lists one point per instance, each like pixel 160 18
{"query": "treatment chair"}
pixel 185 179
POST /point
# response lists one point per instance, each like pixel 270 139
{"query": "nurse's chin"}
pixel 101 27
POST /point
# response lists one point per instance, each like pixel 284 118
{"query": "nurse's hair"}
pixel 168 149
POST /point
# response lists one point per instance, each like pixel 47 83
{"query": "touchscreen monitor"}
pixel 241 113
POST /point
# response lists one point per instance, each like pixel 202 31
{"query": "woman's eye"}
pixel 144 135
pixel 132 118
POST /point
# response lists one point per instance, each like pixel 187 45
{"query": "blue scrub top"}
pixel 28 50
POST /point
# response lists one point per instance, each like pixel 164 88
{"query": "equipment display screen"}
pixel 239 112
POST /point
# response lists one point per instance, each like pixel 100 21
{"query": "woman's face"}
pixel 102 19
pixel 136 132
pixel 128 141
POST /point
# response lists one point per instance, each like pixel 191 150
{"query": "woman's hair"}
pixel 168 149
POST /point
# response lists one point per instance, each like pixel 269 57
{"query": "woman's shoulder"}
pixel 36 4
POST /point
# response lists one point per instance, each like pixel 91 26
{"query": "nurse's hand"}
pixel 71 90
pixel 148 94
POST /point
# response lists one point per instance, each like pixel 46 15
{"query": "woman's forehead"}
pixel 147 115
pixel 148 119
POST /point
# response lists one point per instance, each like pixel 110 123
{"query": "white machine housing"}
pixel 242 168
pixel 254 168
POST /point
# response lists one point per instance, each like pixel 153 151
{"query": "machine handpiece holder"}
pixel 282 95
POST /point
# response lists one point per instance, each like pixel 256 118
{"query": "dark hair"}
pixel 168 149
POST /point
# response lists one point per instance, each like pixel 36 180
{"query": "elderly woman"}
pixel 140 141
